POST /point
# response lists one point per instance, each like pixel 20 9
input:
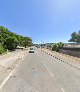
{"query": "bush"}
pixel 57 46
pixel 2 49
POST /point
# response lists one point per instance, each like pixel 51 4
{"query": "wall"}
pixel 70 52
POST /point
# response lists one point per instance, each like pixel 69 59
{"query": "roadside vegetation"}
pixel 10 40
pixel 57 46
pixel 75 37
pixel 2 49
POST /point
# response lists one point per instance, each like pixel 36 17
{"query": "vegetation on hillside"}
pixel 2 49
pixel 10 40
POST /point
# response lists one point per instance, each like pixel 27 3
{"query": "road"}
pixel 40 72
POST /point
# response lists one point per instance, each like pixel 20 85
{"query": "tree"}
pixel 11 43
pixel 1 39
pixel 11 40
pixel 2 49
pixel 75 37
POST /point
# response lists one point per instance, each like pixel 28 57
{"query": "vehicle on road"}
pixel 31 50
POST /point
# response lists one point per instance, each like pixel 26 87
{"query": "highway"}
pixel 39 72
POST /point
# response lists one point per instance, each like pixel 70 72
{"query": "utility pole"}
pixel 41 45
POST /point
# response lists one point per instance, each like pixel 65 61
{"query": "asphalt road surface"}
pixel 39 72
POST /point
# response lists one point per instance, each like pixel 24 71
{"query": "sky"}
pixel 46 20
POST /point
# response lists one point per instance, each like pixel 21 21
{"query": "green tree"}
pixel 75 37
pixel 10 40
pixel 11 43
pixel 2 49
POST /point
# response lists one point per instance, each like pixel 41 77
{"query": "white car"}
pixel 31 50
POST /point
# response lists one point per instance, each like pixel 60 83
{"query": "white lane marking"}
pixel 62 90
pixel 49 70
pixel 38 55
pixel 8 77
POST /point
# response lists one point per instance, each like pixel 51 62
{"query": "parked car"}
pixel 31 50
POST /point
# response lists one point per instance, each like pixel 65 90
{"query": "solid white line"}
pixel 8 77
pixel 49 70
pixel 62 90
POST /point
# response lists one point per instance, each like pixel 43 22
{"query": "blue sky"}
pixel 46 20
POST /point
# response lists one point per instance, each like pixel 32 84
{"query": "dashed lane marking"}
pixel 48 70
pixel 62 90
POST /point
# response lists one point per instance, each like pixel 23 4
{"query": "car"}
pixel 31 50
